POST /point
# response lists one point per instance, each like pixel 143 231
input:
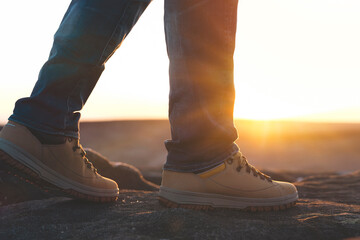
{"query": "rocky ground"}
pixel 137 215
pixel 328 208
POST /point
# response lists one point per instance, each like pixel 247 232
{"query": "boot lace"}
pixel 242 162
pixel 83 154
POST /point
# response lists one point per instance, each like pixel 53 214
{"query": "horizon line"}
pixel 235 119
pixel 294 120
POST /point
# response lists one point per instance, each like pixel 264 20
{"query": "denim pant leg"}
pixel 200 37
pixel 89 33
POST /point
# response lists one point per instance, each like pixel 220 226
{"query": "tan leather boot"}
pixel 233 184
pixel 63 166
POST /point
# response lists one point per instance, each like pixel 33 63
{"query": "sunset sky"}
pixel 295 59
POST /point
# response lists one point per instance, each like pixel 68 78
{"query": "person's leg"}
pixel 89 33
pixel 40 141
pixel 200 39
pixel 204 167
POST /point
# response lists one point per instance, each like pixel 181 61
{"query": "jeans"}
pixel 200 38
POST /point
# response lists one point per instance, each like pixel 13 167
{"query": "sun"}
pixel 265 108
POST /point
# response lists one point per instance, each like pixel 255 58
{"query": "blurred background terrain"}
pixel 269 145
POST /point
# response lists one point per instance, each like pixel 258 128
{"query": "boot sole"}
pixel 199 201
pixel 169 204
pixel 30 175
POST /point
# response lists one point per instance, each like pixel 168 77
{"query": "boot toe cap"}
pixel 287 188
pixel 108 183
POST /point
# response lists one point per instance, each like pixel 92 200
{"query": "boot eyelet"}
pixel 238 169
pixel 229 161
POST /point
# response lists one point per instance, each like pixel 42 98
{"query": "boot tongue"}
pixel 47 139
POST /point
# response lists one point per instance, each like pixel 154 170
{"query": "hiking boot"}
pixel 233 184
pixel 62 166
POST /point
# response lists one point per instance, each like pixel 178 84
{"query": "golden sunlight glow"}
pixel 287 66
pixel 265 108
pixel 262 109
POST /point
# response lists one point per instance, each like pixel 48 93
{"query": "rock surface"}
pixel 137 215
pixel 329 208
